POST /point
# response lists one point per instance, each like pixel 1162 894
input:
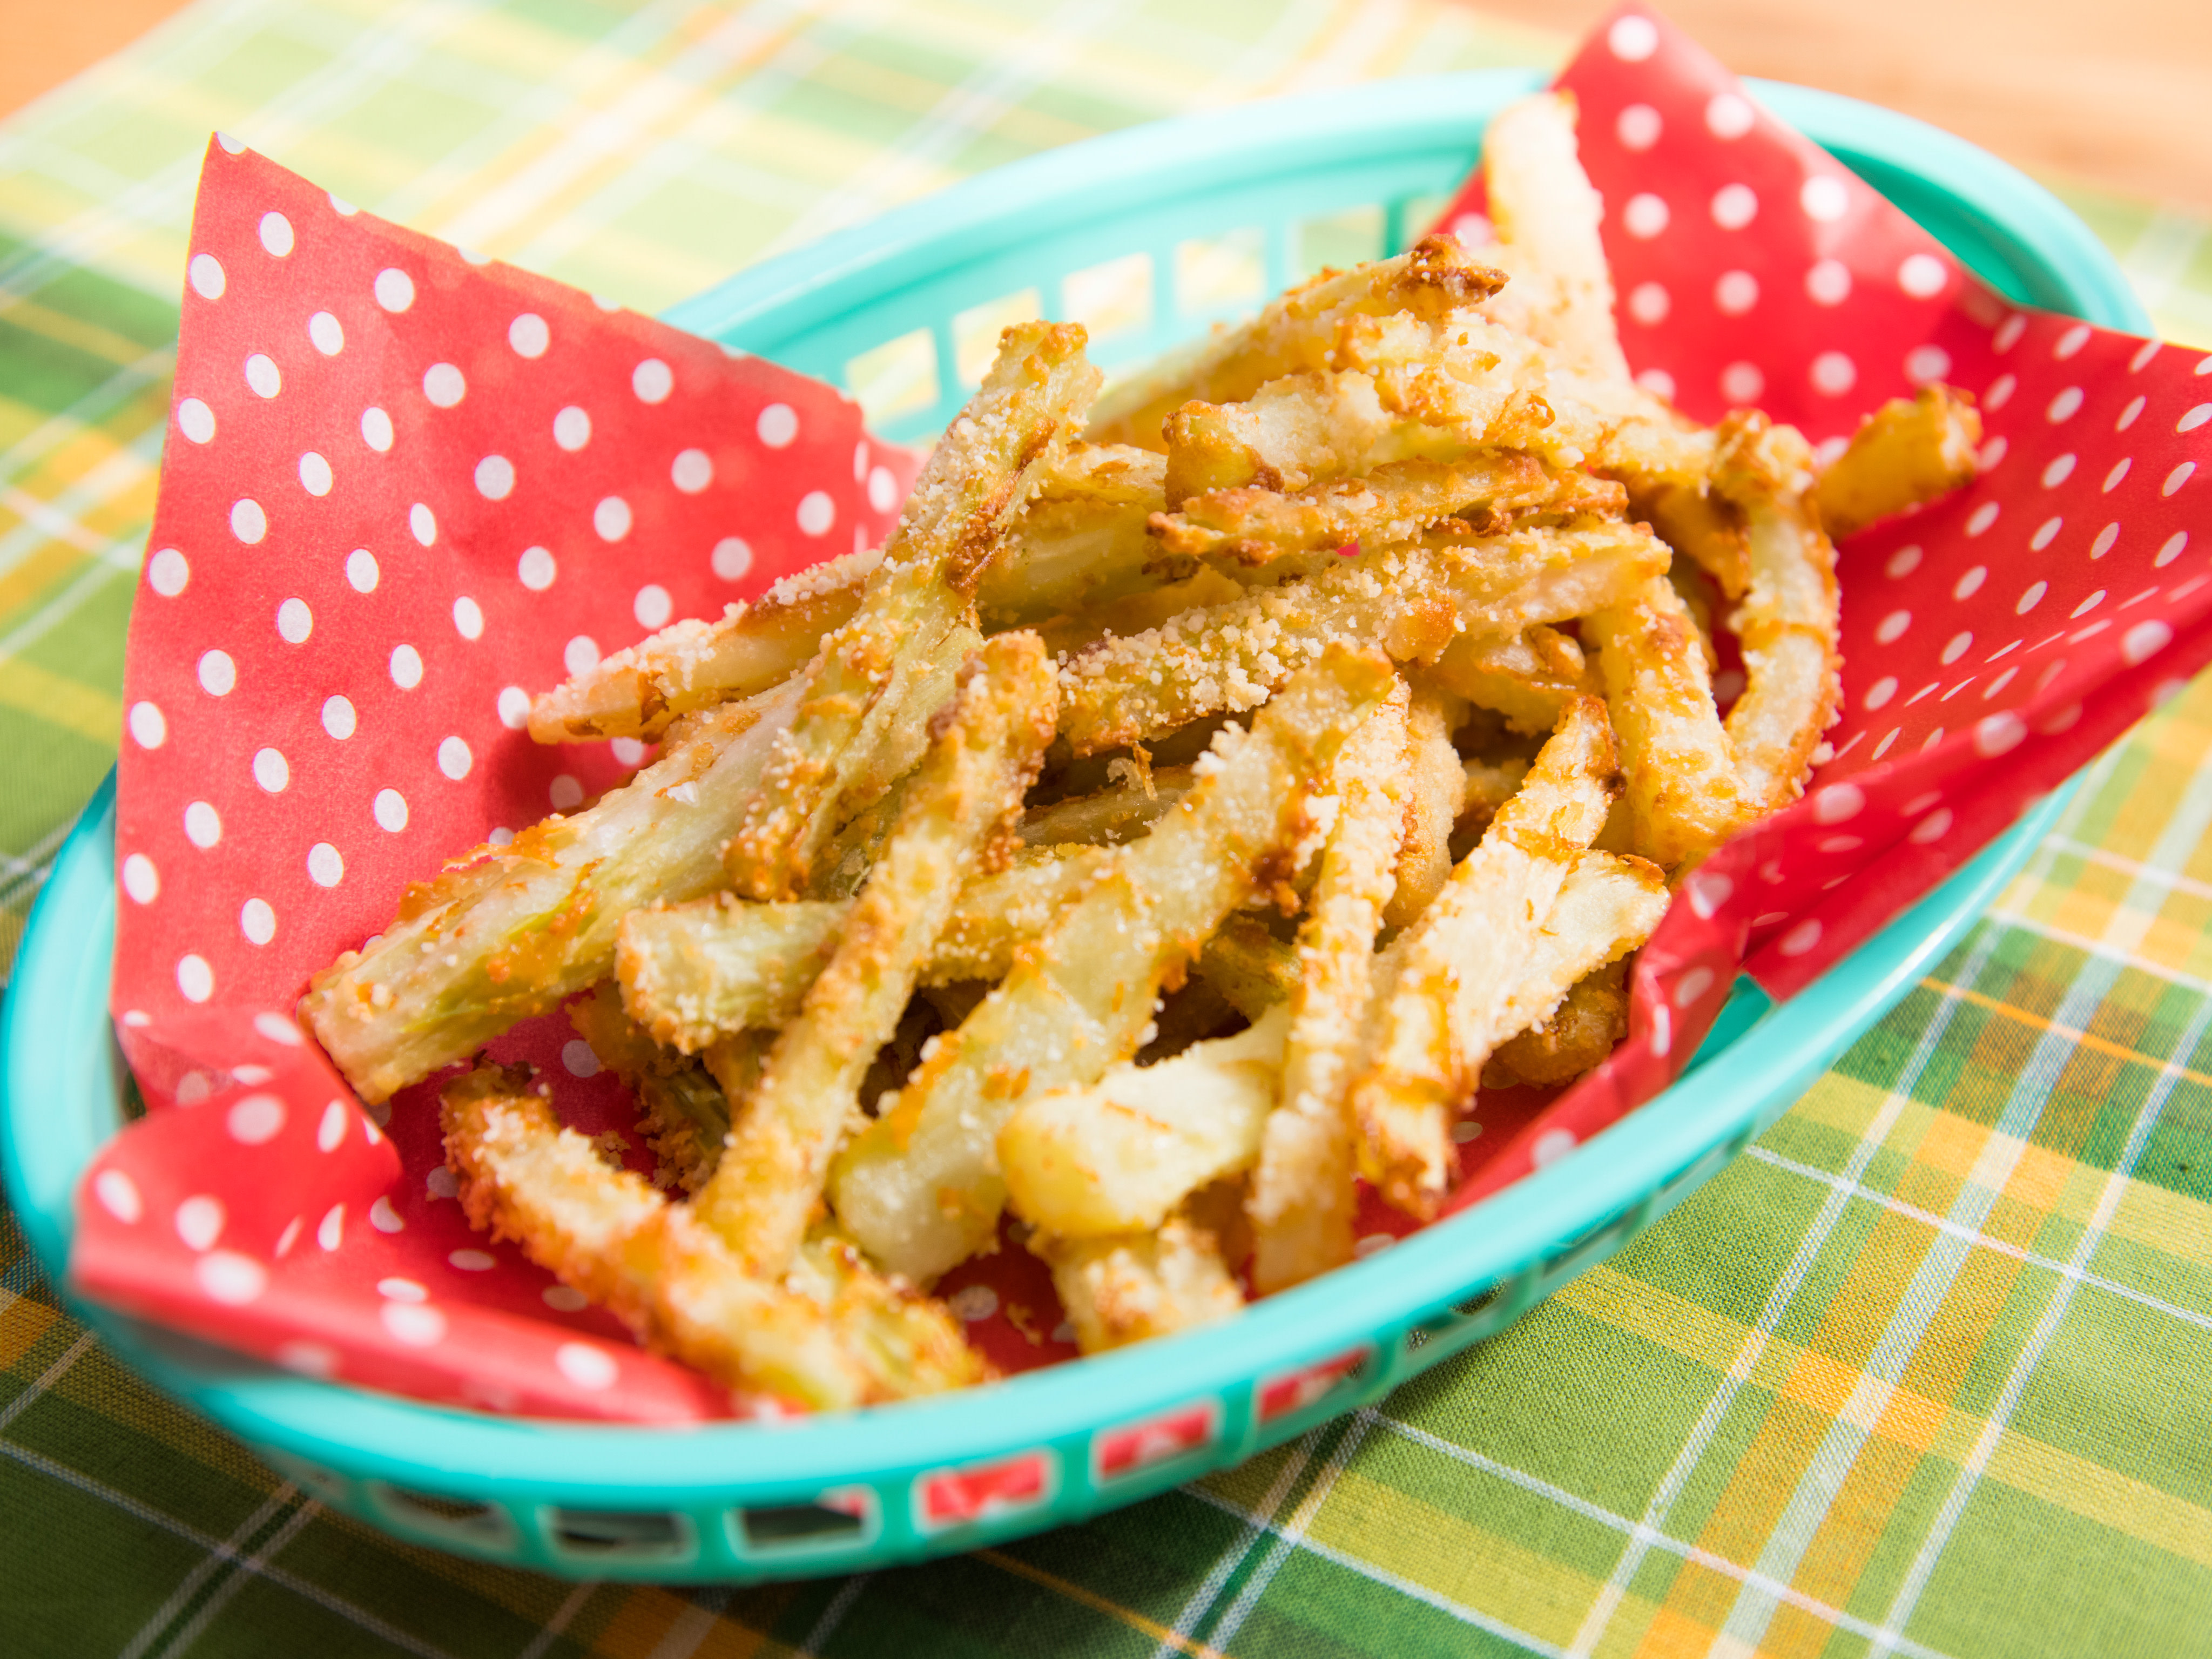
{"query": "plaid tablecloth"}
pixel 1925 1372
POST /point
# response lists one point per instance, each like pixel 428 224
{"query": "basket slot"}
pixel 618 1535
pixel 1221 276
pixel 1338 240
pixel 976 332
pixel 1110 299
pixel 896 381
pixel 483 1529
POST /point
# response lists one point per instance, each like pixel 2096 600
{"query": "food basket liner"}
pixel 404 487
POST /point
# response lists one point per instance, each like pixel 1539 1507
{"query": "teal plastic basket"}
pixel 870 1489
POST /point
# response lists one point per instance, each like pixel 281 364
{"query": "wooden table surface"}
pixel 2117 94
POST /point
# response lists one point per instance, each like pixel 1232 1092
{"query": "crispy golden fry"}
pixel 1608 906
pixel 1250 968
pixel 1695 590
pixel 1301 430
pixel 988 746
pixel 1134 1286
pixel 1108 817
pixel 1065 636
pixel 1432 280
pixel 1300 1201
pixel 1683 797
pixel 1434 789
pixel 918 1186
pixel 608 1234
pixel 1904 455
pixel 859 687
pixel 1787 620
pixel 1490 785
pixel 1080 540
pixel 691 664
pixel 1529 677
pixel 1542 201
pixel 1580 1035
pixel 1705 527
pixel 1120 1154
pixel 1464 957
pixel 517 929
pixel 682 1107
pixel 1412 601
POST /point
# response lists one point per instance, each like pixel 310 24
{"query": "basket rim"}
pixel 55 1050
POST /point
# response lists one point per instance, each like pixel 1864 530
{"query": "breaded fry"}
pixel 681 1105
pixel 517 929
pixel 919 1188
pixel 988 747
pixel 1545 210
pixel 1787 622
pixel 1580 1035
pixel 1683 797
pixel 1108 817
pixel 607 1233
pixel 1529 677
pixel 1080 539
pixel 1412 601
pixel 1251 968
pixel 1434 790
pixel 1904 455
pixel 857 689
pixel 1706 528
pixel 1131 1287
pixel 1464 957
pixel 1301 1202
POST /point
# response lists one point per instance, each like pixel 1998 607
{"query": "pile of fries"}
pixel 1204 792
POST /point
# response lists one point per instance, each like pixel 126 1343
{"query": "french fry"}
pixel 607 1233
pixel 517 929
pixel 1300 1201
pixel 1464 957
pixel 1580 1035
pixel 1529 677
pixel 988 746
pixel 858 688
pixel 1080 539
pixel 1433 280
pixel 1412 601
pixel 1705 527
pixel 1120 1154
pixel 683 1109
pixel 1904 455
pixel 1545 210
pixel 1108 817
pixel 1251 968
pixel 1683 796
pixel 919 1188
pixel 1607 906
pixel 1787 622
pixel 1131 1287
pixel 1434 789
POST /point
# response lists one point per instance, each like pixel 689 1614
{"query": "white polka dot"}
pixel 580 655
pixel 406 667
pixel 577 1057
pixel 693 471
pixel 2063 721
pixel 417 1325
pixel 255 1119
pixel 817 513
pixel 1828 283
pixel 1839 802
pixel 563 1299
pixel 390 809
pixel 119 1196
pixel 2000 392
pixel 1830 450
pixel 1632 39
pixel 1999 734
pixel 514 707
pixel 1708 892
pixel 1734 206
pixel 565 792
pixel 1923 276
pixel 2181 475
pixel 218 674
pixel 1657 381
pixel 376 429
pixel 468 619
pixel 199 1220
pixel 2071 342
pixel 148 728
pixel 2058 471
pixel 1981 518
pixel 277 233
pixel 1957 646
pixel 1690 988
pixel 324 867
pixel 1553 1144
pixel 1824 198
pixel 384 1218
pixel 1729 115
pixel 1648 304
pixel 394 288
pixel 732 558
pixel 1970 584
pixel 2009 332
pixel 1742 382
pixel 196 421
pixel 140 878
pixel 1834 374
pixel 1995 687
pixel 1933 827
pixel 2031 597
pixel 454 759
pixel 314 474
pixel 271 771
pixel 2088 605
pixel 777 426
pixel 329 1232
pixel 1904 562
pixel 528 335
pixel 2167 555
pixel 329 1133
pixel 444 385
pixel 195 978
pixel 1891 628
pixel 263 375
pixel 397 1289
pixel 473 1261
pixel 2063 406
pixel 611 518
pixel 422 524
pixel 1736 292
pixel 2119 471
pixel 206 273
pixel 2045 533
pixel 2203 367
pixel 338 718
pixel 2145 641
pixel 572 428
pixel 1474 228
pixel 1644 216
pixel 202 825
pixel 976 1302
pixel 247 522
pixel 1925 363
pixel 652 606
pixel 168 572
pixel 494 478
pixel 652 380
pixel 1638 126
pixel 1800 940
pixel 1373 1243
pixel 1879 694
pixel 326 334
pixel 227 1276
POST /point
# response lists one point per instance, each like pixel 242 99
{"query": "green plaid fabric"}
pixel 1922 1373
